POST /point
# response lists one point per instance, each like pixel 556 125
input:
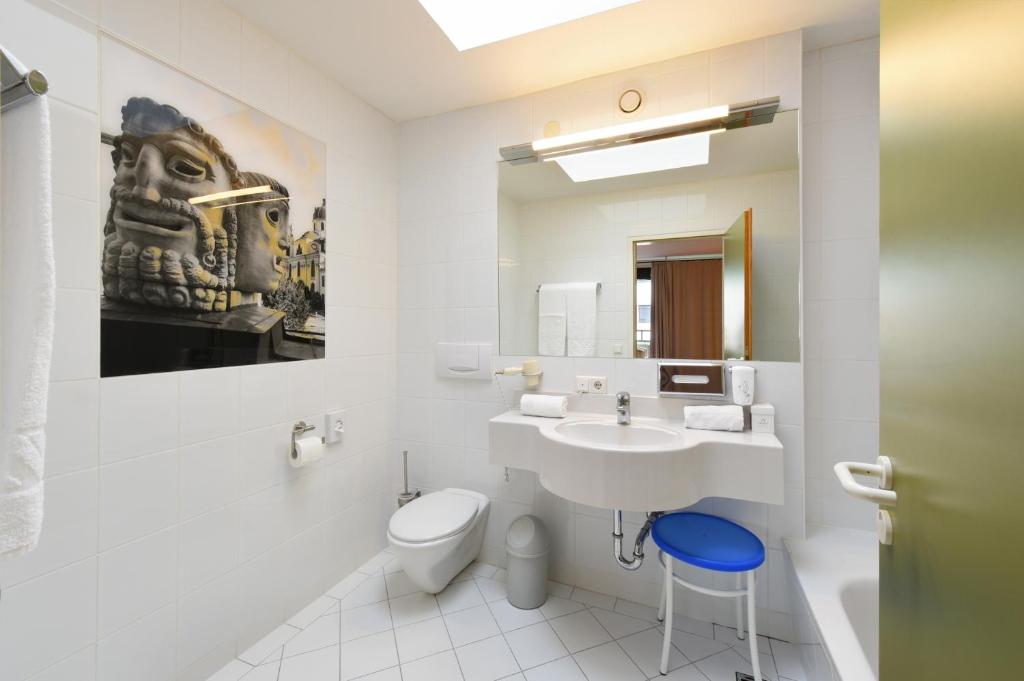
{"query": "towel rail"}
pixel 18 83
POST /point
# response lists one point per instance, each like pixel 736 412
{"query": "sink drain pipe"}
pixel 638 546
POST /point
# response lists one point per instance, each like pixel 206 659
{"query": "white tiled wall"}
pixel 176 534
pixel 587 238
pixel 448 206
pixel 840 273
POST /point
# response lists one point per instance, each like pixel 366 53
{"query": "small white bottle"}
pixel 762 418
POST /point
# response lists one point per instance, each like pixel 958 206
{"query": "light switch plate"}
pixel 334 426
pixel 583 384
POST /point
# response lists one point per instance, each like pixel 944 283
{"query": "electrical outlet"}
pixel 583 384
pixel 598 385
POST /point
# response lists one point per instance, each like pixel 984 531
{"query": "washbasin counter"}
pixel 652 464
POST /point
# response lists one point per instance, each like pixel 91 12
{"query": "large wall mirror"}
pixel 700 262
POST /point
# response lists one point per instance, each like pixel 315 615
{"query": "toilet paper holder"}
pixel 301 427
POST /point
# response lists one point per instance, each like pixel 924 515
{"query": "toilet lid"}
pixel 432 517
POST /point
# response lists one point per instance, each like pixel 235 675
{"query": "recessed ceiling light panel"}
pixel 471 23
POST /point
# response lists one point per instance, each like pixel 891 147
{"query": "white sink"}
pixel 653 464
pixel 605 433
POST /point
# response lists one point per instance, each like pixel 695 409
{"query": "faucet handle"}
pixel 622 398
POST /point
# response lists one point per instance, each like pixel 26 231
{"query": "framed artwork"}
pixel 214 222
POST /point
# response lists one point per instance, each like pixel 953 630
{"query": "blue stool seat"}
pixel 708 541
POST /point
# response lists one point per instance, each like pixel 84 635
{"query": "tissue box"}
pixel 762 418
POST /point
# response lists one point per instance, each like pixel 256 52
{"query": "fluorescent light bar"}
pixel 630 128
pixel 633 159
pixel 247 191
pixel 471 23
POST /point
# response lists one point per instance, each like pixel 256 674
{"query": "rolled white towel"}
pixel 728 417
pixel 551 406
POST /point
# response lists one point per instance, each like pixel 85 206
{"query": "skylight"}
pixel 471 23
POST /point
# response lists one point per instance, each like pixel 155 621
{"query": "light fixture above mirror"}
pixel 677 140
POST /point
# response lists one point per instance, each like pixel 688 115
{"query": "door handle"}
pixel 882 495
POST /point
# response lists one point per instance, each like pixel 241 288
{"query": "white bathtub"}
pixel 836 573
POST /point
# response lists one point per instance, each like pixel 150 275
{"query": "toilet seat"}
pixel 433 517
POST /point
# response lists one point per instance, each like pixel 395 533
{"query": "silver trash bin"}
pixel 528 546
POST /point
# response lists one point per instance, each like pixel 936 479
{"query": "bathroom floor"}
pixel 375 625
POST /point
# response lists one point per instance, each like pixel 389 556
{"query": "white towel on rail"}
pixel 581 315
pixel 26 248
pixel 551 320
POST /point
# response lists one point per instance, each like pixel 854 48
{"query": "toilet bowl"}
pixel 436 536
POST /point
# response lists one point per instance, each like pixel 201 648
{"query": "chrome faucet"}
pixel 622 408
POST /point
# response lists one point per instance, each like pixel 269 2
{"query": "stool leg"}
pixel 739 607
pixel 667 604
pixel 661 601
pixel 755 659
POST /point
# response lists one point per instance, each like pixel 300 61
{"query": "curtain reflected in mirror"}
pixel 692 295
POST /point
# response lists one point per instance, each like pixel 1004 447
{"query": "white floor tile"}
pixel 564 669
pixel 691 626
pixel 514 677
pixel 510 617
pixel 482 570
pixel 347 585
pixel 491 589
pixel 367 655
pixel 640 612
pixel 468 626
pixel 535 645
pixel 311 612
pixel 369 590
pixel 608 663
pixel 594 598
pixel 687 673
pixel 788 660
pixel 619 625
pixel 695 647
pixel 724 665
pixel 376 564
pixel 369 619
pixel 727 635
pixel 460 596
pixel 421 639
pixel 232 671
pixel 556 607
pixel 487 660
pixel 267 672
pixel 319 665
pixel 645 650
pixel 392 674
pixel 392 565
pixel 399 584
pixel 580 631
pixel 320 634
pixel 441 667
pixel 413 608
pixel 268 644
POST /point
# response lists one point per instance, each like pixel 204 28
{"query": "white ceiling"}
pixel 392 54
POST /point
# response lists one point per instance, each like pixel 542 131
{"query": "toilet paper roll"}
pixel 743 385
pixel 307 449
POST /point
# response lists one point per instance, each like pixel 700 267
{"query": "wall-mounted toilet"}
pixel 436 536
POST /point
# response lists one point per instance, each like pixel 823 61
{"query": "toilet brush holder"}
pixel 405 496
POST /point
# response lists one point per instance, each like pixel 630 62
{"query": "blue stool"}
pixel 713 543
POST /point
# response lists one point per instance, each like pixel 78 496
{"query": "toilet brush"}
pixel 405 496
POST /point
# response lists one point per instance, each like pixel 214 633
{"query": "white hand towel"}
pixel 551 320
pixel 26 232
pixel 552 406
pixel 727 417
pixel 581 313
